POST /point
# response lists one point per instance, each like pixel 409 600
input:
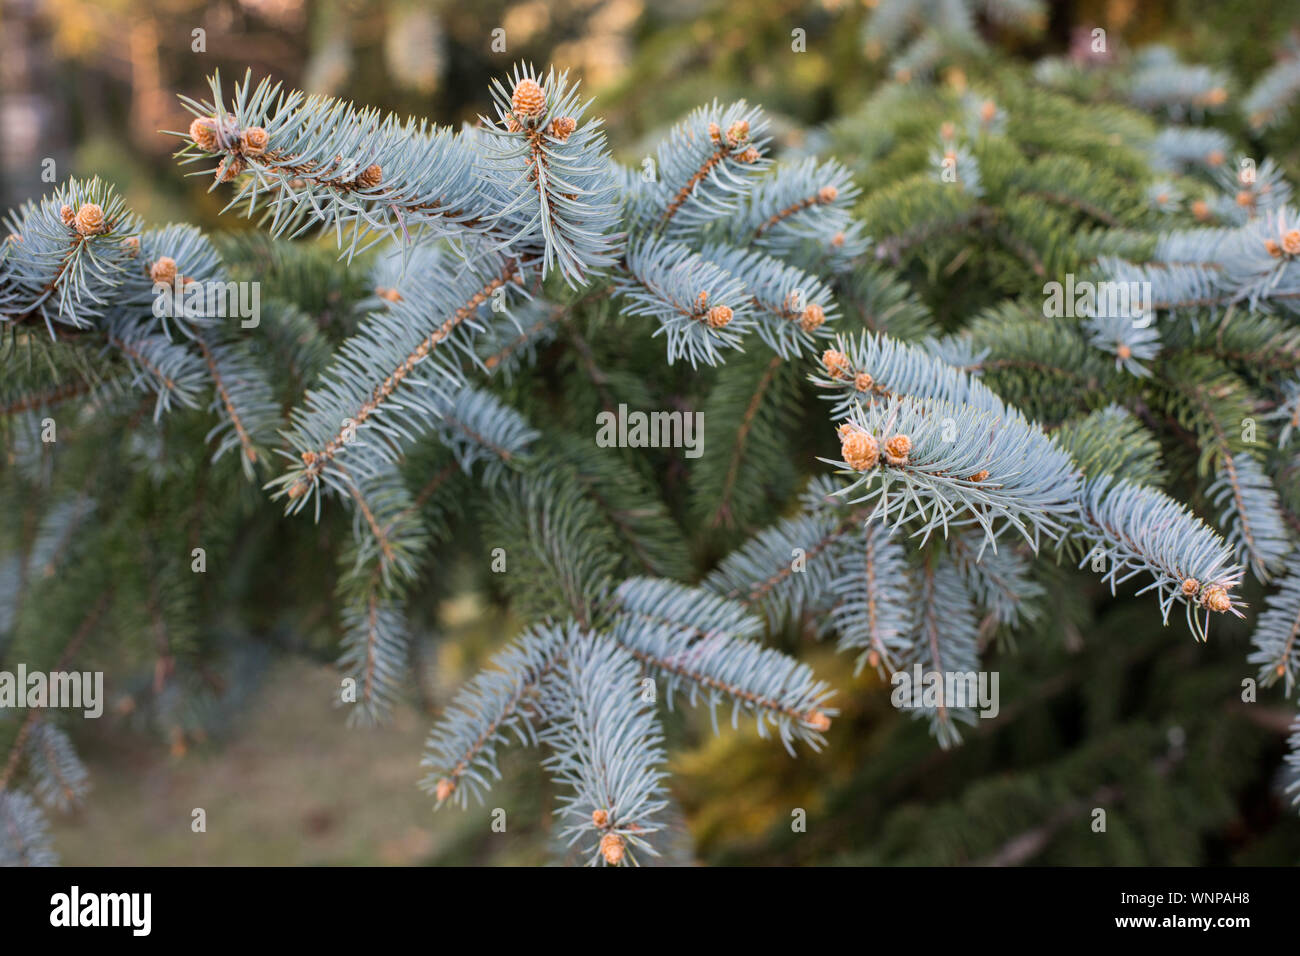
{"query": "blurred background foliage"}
pixel 1100 707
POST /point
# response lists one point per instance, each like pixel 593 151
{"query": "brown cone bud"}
pixel 813 317
pixel 836 363
pixel 529 98
pixel 203 131
pixel 1216 599
pixel 164 270
pixel 860 450
pixel 89 220
pixel 563 127
pixel 611 848
pixel 253 141
pixel 719 316
pixel 897 449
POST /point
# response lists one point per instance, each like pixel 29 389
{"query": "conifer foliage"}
pixel 952 456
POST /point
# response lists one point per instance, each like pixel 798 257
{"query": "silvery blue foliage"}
pixel 413 350
pixel 24 832
pixel 1183 90
pixel 803 212
pixel 558 190
pixel 1027 482
pixel 944 641
pixel 955 164
pixel 606 751
pixel 1251 516
pixel 1179 148
pixel 785 570
pixel 679 288
pixel 712 246
pixel 309 177
pixel 875 611
pixel 705 168
pixel 1277 634
pixel 1141 531
pixel 1270 100
pixel 784 297
pixel 52 270
pixel 501 703
pixel 60 779
pixel 683 637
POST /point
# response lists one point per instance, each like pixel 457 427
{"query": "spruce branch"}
pixel 371 388
pixel 501 702
pixel 606 749
pixel 696 642
pixel 1141 531
pixel 700 307
pixel 706 165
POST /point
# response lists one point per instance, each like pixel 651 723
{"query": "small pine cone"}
pixel 873 658
pixel 818 721
pixel 611 848
pixel 837 240
pixel 133 245
pixel 371 176
pixel 813 317
pixel 897 449
pixel 444 789
pixel 89 220
pixel 737 133
pixel 253 141
pixel 309 458
pixel 1201 210
pixel 600 818
pixel 1215 158
pixel 390 295
pixel 1216 599
pixel 860 451
pixel 862 381
pixel 827 194
pixel 1273 248
pixel 701 302
pixel 980 475
pixel 1123 351
pixel 298 489
pixel 1215 97
pixel 67 215
pixel 715 132
pixel 513 125
pixel 563 127
pixel 748 155
pixel 988 110
pixel 164 270
pixel 231 168
pixel 1291 242
pixel 836 363
pixel 1190 586
pixel 529 98
pixel 1245 198
pixel 1162 198
pixel 203 131
pixel 719 316
pixel 947 131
